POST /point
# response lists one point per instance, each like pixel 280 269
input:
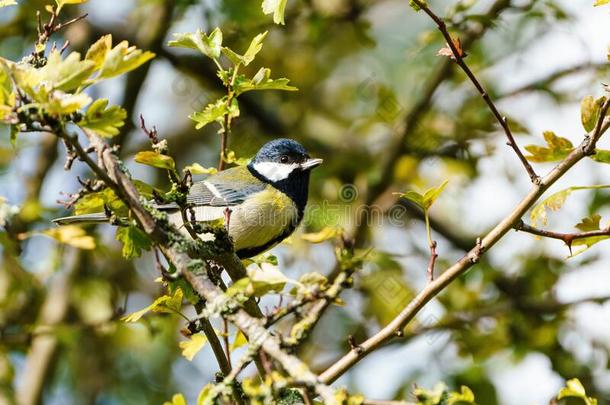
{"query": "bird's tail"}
pixel 95 218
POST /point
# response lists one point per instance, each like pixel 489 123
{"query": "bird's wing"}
pixel 227 188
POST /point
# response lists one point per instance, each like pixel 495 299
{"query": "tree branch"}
pixel 397 325
pixel 458 57
pixel 567 238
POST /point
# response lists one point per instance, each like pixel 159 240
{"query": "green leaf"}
pixel 277 7
pixel 262 81
pixel 601 155
pixel 266 278
pixel 60 103
pixel 67 74
pixel 589 223
pixel 324 234
pixel 208 45
pixel 465 396
pixel 164 304
pixel 555 202
pixel 98 51
pixel 104 121
pixel 71 235
pixel 575 389
pixel 255 46
pixel 425 200
pixel 192 346
pixel 601 2
pixel 134 241
pixel 122 59
pixel 213 112
pixel 155 159
pixel 61 3
pixel 590 109
pixel 558 148
pixel 239 341
pixel 177 399
pixel 196 168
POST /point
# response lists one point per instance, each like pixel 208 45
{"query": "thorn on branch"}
pixel 353 346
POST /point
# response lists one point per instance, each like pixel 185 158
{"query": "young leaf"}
pixel 601 2
pixel 415 6
pixel 266 278
pixel 239 341
pixel 163 304
pixel 262 81
pixel 558 148
pixel 67 74
pixel 104 121
pixel 590 109
pixel 424 201
pixel 208 45
pixel 277 7
pixel 71 235
pixel 574 389
pixel 465 396
pixel 196 168
pixel 177 399
pixel 555 202
pixel 589 223
pixel 601 155
pixel 192 346
pixel 323 235
pixel 255 46
pixel 213 112
pixel 60 103
pixel 4 3
pixel 134 241
pixel 155 159
pixel 61 3
pixel 122 59
pixel 97 52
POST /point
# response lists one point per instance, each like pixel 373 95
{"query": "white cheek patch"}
pixel 275 171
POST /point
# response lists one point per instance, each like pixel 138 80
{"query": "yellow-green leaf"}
pixel 155 159
pixel 465 396
pixel 97 52
pixel 61 3
pixel 239 341
pixel 165 304
pixel 557 149
pixel 324 234
pixel 266 278
pixel 134 241
pixel 425 200
pixel 213 112
pixel 277 7
pixel 196 168
pixel 71 235
pixel 555 202
pixel 262 81
pixel 103 120
pixel 66 74
pixel 122 59
pixel 590 109
pixel 601 2
pixel 177 399
pixel 575 389
pixel 208 45
pixel 255 46
pixel 192 346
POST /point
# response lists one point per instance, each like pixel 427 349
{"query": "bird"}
pixel 262 202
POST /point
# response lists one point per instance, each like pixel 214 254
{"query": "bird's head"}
pixel 281 159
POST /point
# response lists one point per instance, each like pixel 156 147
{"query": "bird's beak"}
pixel 311 163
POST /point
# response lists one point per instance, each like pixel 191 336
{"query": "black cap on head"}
pixel 281 150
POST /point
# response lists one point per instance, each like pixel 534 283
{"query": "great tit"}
pixel 265 200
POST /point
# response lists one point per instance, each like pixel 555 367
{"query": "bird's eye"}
pixel 283 159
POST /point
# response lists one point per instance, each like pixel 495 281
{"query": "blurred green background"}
pixel 386 114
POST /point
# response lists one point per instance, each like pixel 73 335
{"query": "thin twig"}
pixel 458 57
pixel 567 238
pixel 473 256
pixel 432 261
